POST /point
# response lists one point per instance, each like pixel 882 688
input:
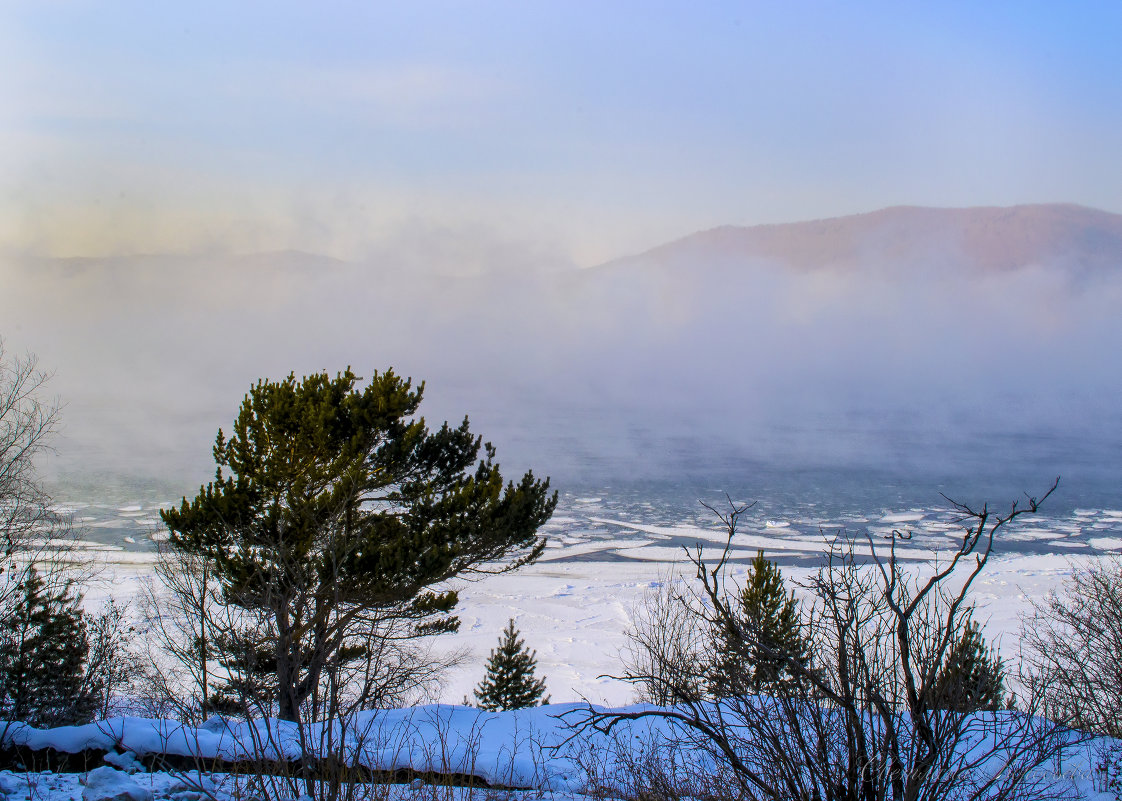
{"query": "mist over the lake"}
pixel 903 353
pixel 517 204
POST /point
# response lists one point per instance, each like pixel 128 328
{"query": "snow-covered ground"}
pixel 117 786
pixel 541 749
pixel 575 612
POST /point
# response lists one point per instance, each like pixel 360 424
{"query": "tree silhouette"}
pixel 43 648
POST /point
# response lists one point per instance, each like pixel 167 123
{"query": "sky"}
pixel 395 150
pixel 573 131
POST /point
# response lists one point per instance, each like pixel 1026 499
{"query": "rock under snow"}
pixel 109 784
pixel 10 784
pixel 192 787
pixel 126 761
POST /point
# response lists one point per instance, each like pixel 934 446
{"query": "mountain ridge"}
pixel 990 238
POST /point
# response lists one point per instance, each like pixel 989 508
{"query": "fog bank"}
pixel 671 363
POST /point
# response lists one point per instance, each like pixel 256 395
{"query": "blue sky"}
pixel 583 129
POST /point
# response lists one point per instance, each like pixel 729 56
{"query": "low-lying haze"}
pixel 897 344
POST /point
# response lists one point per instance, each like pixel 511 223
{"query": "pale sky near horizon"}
pixel 577 131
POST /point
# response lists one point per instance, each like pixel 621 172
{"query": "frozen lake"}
pixel 610 547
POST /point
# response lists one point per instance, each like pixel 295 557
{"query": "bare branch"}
pixel 876 713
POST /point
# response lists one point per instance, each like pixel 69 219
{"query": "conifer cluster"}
pixel 44 643
pixel 336 512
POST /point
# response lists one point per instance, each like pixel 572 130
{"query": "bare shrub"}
pixel 34 536
pixel 41 569
pixel 1073 639
pixel 26 423
pixel 646 767
pixel 113 664
pixel 867 717
pixel 666 654
pixel 178 605
pixel 1106 768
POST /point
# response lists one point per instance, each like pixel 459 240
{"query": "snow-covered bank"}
pixel 537 749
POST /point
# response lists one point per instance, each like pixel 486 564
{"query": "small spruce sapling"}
pixel 763 647
pixel 972 677
pixel 510 682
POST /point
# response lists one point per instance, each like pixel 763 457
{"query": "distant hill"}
pixel 988 239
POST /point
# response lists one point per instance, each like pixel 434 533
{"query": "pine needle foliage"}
pixel 972 677
pixel 509 682
pixel 43 648
pixel 758 651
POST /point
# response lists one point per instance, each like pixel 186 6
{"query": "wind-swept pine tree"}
pixel 510 682
pixel 754 650
pixel 972 677
pixel 43 649
pixel 335 515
